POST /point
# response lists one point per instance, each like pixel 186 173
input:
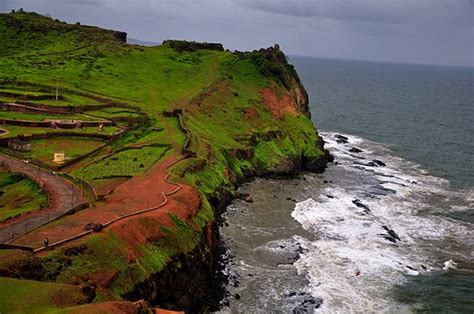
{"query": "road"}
pixel 63 196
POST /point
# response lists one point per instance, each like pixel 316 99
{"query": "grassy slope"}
pixel 19 195
pixel 27 296
pixel 214 88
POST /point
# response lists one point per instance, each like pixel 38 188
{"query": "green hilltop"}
pixel 230 115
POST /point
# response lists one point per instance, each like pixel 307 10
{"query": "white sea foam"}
pixel 375 226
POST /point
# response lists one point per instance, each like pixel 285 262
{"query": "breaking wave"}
pixel 378 219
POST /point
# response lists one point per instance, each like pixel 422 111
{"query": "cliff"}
pixel 228 116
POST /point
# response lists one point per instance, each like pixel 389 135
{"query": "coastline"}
pixel 381 227
pixel 189 278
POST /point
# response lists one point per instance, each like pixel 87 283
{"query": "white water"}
pixel 351 265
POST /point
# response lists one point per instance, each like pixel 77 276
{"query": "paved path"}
pixel 63 196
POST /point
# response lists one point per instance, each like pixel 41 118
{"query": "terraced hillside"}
pixel 155 139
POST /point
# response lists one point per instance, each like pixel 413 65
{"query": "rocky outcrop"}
pixel 183 45
pixel 273 62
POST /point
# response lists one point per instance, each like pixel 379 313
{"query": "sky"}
pixel 414 31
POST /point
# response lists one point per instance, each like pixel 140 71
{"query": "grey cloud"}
pixel 388 11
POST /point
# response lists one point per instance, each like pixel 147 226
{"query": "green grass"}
pixel 14 130
pixel 113 113
pixel 73 147
pixel 19 195
pixel 130 162
pixel 28 296
pixel 12 115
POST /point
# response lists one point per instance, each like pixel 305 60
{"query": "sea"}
pixel 389 226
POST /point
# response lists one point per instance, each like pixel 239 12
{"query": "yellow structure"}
pixel 59 157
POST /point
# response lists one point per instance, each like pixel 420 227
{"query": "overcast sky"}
pixel 419 31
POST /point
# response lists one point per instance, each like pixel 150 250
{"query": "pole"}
pixel 57 88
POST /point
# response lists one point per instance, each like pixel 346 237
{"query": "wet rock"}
pixel 308 305
pixel 379 163
pixel 301 250
pixel 359 204
pixel 341 139
pixel 329 196
pixel 325 181
pixel 237 296
pixel 244 197
pixel 391 235
pixel 355 150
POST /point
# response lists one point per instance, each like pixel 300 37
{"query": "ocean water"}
pixel 389 227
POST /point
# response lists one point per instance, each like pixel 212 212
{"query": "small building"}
pixel 19 145
pixel 59 158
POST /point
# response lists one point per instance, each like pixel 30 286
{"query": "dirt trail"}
pixel 138 193
pixel 63 196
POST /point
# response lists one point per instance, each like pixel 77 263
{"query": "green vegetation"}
pixel 19 195
pixel 14 130
pixel 73 147
pixel 28 296
pixel 12 115
pixel 128 162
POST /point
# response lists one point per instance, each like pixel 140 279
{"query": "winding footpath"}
pixel 63 196
pixel 141 195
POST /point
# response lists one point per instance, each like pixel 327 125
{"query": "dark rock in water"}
pixel 355 150
pixel 409 267
pixel 374 163
pixel 359 204
pixel 336 163
pixel 329 196
pixel 379 163
pixel 237 296
pixel 244 197
pixel 391 235
pixel 288 198
pixel 424 267
pixel 308 305
pixel 301 250
pixel 250 275
pixel 341 139
pixel 325 181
